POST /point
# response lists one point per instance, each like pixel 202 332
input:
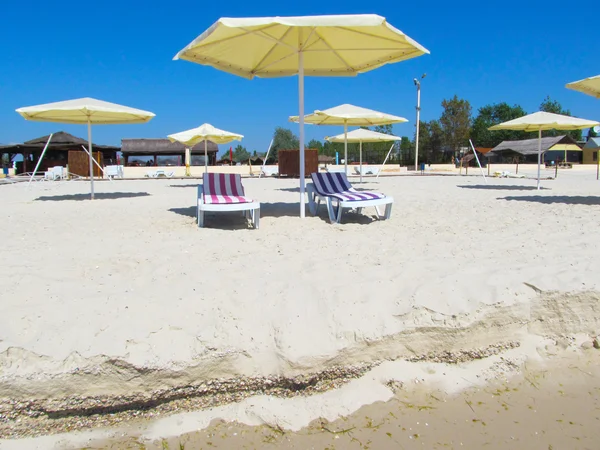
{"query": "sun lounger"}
pixel 224 192
pixel 113 171
pixel 366 170
pixel 55 173
pixel 160 173
pixel 335 186
pixel 270 171
pixel 336 169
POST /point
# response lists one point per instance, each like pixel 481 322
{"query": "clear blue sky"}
pixel 121 51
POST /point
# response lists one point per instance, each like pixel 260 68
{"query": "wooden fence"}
pixel 289 162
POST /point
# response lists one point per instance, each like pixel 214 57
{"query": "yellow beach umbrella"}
pixel 86 111
pixel 205 132
pixel 541 121
pixel 589 86
pixel 361 135
pixel 271 47
pixel 349 115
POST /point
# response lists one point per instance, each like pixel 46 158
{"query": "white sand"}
pixel 126 294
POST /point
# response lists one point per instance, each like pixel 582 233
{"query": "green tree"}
pixel 314 144
pixel 494 114
pixel 283 139
pixel 406 150
pixel 436 142
pixel 591 133
pixel 240 153
pixel 431 140
pixel 553 106
pixel 456 122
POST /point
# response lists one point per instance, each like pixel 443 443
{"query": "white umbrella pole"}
pixel 301 122
pixel 346 147
pixel 384 161
pixel 478 163
pixel 188 160
pixel 262 171
pixel 205 156
pixel 360 159
pixel 94 161
pixel 40 160
pixel 539 157
pixel 90 158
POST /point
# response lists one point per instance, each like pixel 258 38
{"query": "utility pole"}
pixel 418 85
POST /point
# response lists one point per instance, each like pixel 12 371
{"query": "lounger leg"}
pixel 379 216
pixel 330 210
pixel 256 218
pixel 200 218
pixel 388 210
pixel 339 212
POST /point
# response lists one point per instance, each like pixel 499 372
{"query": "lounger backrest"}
pixel 225 184
pixel 331 182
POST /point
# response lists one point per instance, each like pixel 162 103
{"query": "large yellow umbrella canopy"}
pixel 541 121
pixel 86 111
pixel 270 47
pixel 589 86
pixel 205 132
pixel 346 115
pixel 361 135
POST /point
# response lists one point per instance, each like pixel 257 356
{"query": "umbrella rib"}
pixel 219 41
pixel 264 35
pixel 364 33
pixel 334 51
pixel 272 63
pixel 275 45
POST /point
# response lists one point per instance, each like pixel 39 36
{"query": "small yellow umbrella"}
pixel 86 111
pixel 541 121
pixel 272 47
pixel 589 86
pixel 361 135
pixel 205 132
pixel 349 115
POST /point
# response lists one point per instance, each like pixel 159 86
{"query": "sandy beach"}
pixel 124 299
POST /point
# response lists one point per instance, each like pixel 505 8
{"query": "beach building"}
pixel 590 151
pixel 163 152
pixel 557 148
pixel 64 150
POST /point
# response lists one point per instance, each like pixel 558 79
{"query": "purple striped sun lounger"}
pixel 224 192
pixel 335 186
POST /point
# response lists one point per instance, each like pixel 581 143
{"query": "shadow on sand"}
pixel 97 196
pixel 564 199
pixel 234 220
pixel 500 187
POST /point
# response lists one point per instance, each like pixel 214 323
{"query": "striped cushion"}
pixel 335 184
pixel 223 188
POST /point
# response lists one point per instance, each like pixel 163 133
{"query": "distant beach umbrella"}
pixel 349 115
pixel 86 111
pixel 541 121
pixel 270 47
pixel 361 135
pixel 589 86
pixel 205 132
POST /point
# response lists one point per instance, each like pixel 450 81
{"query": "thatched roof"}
pixel 530 146
pixel 162 147
pixel 324 159
pixel 60 141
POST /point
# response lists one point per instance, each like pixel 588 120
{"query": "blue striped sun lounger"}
pixel 335 186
